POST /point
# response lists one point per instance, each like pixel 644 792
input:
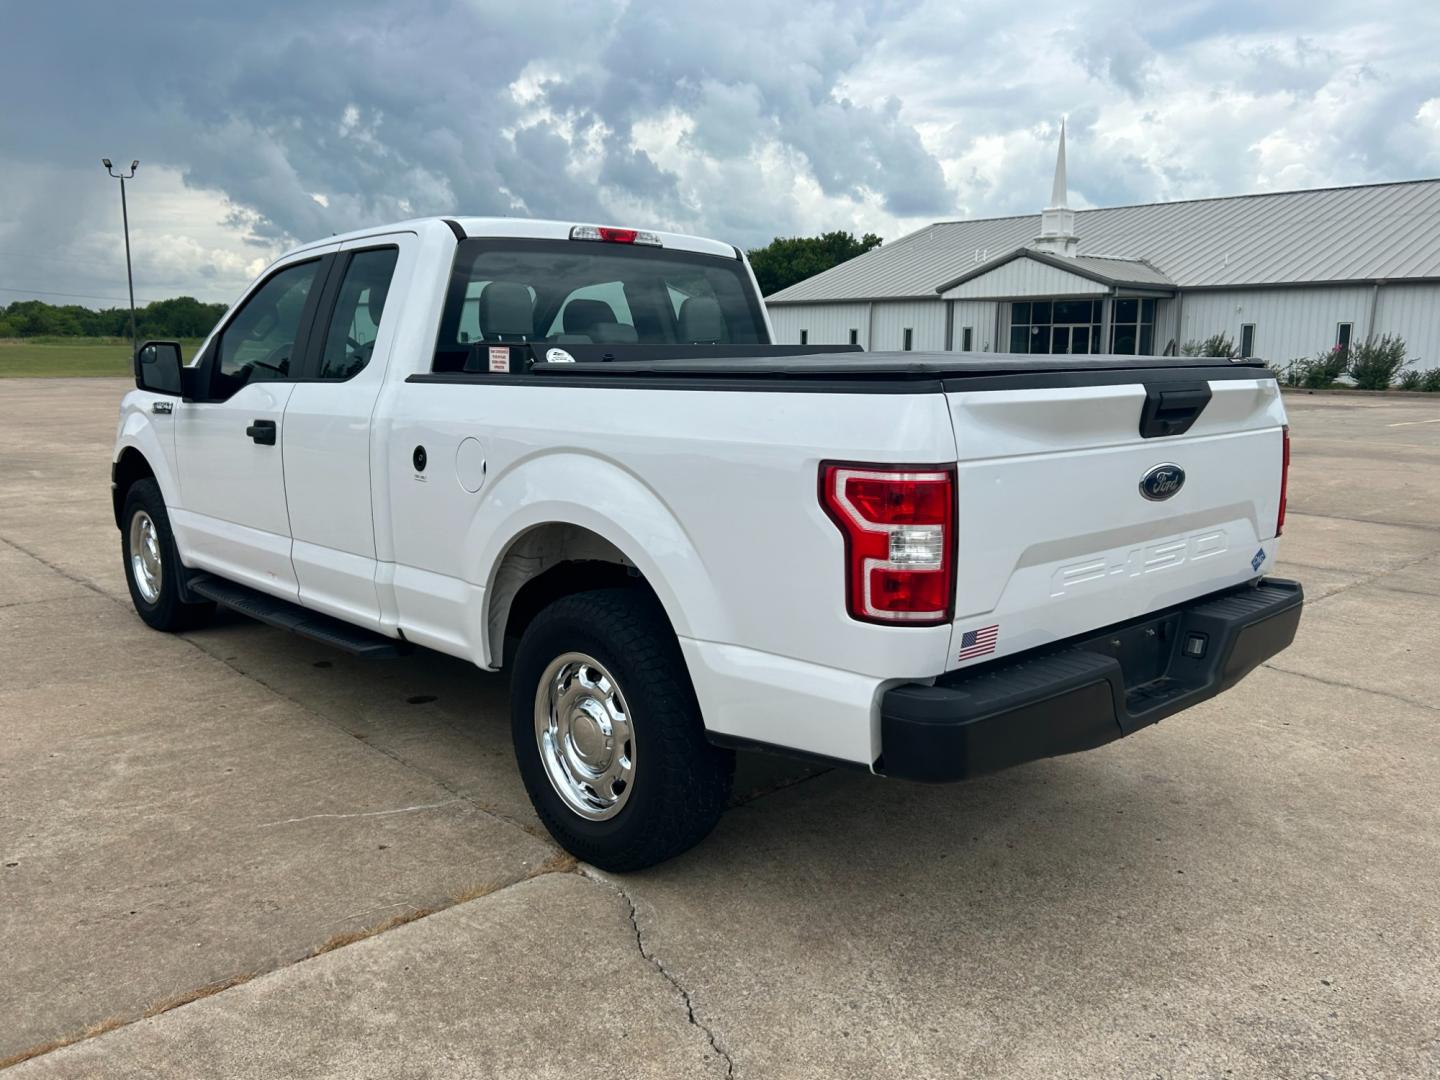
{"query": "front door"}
pixel 232 517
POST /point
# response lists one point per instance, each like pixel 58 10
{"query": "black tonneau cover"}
pixel 800 362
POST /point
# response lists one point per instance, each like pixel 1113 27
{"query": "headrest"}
pixel 506 309
pixel 376 301
pixel 581 315
pixel 701 321
pixel 613 333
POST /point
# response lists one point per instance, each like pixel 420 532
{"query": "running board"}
pixel 298 620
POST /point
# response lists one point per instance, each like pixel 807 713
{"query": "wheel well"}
pixel 131 467
pixel 541 566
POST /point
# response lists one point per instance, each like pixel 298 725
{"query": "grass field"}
pixel 69 357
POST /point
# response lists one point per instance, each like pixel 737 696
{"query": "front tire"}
pixel 608 735
pixel 152 565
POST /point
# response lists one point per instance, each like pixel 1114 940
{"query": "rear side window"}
pixel 259 342
pixel 355 322
pixel 583 292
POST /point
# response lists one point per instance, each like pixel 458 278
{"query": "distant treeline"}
pixel 182 317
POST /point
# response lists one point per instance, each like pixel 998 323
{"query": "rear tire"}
pixel 152 565
pixel 608 735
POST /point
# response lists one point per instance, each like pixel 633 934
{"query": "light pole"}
pixel 125 218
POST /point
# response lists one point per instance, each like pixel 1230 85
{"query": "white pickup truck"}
pixel 572 452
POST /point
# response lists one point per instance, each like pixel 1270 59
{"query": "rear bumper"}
pixel 1084 693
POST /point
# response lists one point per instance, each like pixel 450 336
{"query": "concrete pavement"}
pixel 1248 889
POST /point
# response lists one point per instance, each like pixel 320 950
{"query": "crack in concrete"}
pixel 1352 686
pixel 654 961
pixel 361 813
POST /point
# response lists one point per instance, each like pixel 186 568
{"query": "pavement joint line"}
pixel 1420 526
pixel 561 864
pixel 86 583
pixel 1372 578
pixel 528 830
pixel 779 786
pixel 1352 686
pixel 302 706
pixel 594 874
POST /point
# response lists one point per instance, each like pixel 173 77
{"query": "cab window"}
pixel 355 321
pixel 258 343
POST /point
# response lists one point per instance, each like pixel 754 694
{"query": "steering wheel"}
pixel 277 359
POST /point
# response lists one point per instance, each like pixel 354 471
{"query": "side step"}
pixel 298 620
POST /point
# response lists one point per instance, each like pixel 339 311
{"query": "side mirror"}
pixel 158 366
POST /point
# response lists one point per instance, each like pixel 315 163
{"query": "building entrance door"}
pixel 1074 338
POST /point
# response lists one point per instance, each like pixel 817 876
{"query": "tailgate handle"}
pixel 1172 411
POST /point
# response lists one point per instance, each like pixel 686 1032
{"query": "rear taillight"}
pixel 611 235
pixel 899 528
pixel 1284 477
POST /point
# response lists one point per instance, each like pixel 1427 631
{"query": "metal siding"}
pixel 829 324
pixel 1026 277
pixel 1413 312
pixel 1332 234
pixel 925 317
pixel 981 315
pixel 1289 323
pixel 1165 326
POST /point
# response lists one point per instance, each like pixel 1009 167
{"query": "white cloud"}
pixel 744 120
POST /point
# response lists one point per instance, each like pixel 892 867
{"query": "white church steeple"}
pixel 1057 221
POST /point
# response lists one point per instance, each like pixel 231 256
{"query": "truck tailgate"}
pixel 1054 535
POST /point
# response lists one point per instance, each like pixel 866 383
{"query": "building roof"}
pixel 1374 231
pixel 1135 272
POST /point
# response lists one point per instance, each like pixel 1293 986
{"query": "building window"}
pixel 1342 335
pixel 909 339
pixel 1055 326
pixel 804 337
pixel 967 339
pixel 854 337
pixel 1132 331
pixel 1247 340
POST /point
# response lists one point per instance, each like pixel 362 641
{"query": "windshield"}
pixel 588 293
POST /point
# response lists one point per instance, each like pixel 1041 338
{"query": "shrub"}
pixel 1374 364
pixel 1410 380
pixel 1431 381
pixel 1288 374
pixel 1214 345
pixel 1320 371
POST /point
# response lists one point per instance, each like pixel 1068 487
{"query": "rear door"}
pixel 1055 535
pixel 233 519
pixel 327 440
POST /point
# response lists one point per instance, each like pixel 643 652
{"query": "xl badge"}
pixel 1162 481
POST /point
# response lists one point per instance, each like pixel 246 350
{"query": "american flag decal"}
pixel 978 642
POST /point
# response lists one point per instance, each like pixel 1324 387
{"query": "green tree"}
pixel 788 259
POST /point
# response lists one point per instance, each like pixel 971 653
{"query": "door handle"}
pixel 262 431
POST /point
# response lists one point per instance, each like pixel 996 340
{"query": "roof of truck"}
pixel 521 228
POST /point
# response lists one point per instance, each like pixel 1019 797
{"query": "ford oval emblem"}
pixel 1162 481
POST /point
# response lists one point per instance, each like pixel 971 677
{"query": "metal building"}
pixel 1285 275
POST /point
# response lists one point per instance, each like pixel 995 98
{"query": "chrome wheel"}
pixel 145 565
pixel 587 745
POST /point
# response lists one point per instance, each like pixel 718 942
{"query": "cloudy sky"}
pixel 263 122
